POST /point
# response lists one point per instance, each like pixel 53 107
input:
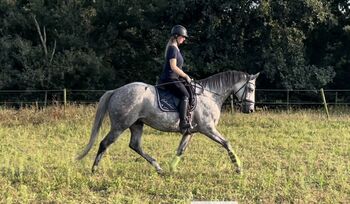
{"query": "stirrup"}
pixel 193 125
pixel 187 128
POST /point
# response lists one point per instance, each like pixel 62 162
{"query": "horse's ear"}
pixel 254 76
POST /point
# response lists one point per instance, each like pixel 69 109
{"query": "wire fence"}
pixel 271 98
pixel 282 97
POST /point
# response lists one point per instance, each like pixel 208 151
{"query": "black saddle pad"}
pixel 169 103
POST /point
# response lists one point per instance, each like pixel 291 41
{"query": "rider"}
pixel 172 72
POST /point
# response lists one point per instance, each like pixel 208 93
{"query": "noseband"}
pixel 243 99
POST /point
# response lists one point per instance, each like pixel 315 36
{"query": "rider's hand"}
pixel 188 79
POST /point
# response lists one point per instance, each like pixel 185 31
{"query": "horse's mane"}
pixel 223 79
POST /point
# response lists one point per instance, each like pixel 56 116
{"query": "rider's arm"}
pixel 176 69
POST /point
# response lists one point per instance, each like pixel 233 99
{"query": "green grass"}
pixel 300 157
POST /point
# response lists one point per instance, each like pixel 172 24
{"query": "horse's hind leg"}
pixel 213 134
pixel 111 137
pixel 135 144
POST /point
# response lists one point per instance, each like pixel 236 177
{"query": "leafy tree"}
pixel 40 37
pixel 105 44
pixel 329 43
pixel 290 23
pixel 127 35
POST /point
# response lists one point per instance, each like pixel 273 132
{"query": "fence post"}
pixel 231 97
pixel 336 98
pixel 45 100
pixel 287 100
pixel 64 99
pixel 157 79
pixel 324 102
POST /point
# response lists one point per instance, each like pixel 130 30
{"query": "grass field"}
pixel 300 157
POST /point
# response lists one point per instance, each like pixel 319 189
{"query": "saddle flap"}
pixel 169 103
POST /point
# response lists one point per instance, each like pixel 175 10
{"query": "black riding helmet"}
pixel 179 30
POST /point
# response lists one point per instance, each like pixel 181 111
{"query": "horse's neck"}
pixel 221 97
pixel 223 84
pixel 224 92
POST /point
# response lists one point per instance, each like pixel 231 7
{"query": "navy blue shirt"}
pixel 168 73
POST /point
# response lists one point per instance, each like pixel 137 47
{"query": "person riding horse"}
pixel 172 73
pixel 135 104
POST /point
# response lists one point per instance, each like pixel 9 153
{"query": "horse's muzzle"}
pixel 248 108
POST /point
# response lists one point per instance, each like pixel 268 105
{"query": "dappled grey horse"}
pixel 135 104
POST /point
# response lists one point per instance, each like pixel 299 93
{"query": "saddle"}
pixel 170 103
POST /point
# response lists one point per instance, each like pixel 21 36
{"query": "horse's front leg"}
pixel 213 134
pixel 180 150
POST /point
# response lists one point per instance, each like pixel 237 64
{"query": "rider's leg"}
pixel 179 90
pixel 184 123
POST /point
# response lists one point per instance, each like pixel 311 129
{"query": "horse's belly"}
pixel 165 121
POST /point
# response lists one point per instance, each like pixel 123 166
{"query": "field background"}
pixel 299 157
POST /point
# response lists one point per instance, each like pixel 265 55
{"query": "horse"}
pixel 135 105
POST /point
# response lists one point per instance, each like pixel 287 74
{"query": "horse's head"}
pixel 246 94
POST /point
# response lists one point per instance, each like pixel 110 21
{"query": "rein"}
pixel 195 85
pixel 166 83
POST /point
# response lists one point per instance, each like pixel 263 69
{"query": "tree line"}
pixel 104 44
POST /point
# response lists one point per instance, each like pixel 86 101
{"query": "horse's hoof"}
pixel 173 170
pixel 93 170
pixel 239 170
pixel 173 167
pixel 160 171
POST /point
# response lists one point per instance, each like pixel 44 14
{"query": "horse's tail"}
pixel 100 113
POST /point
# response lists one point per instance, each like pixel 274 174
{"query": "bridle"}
pixel 243 97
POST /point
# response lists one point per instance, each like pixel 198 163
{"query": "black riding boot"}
pixel 184 125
